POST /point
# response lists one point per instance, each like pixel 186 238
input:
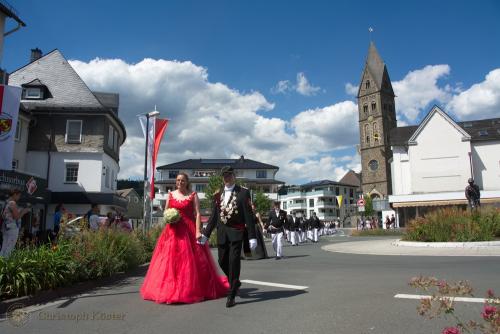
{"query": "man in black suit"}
pixel 294 223
pixel 231 213
pixel 315 226
pixel 275 225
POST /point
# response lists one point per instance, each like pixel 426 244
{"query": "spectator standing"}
pixel 94 217
pixel 11 216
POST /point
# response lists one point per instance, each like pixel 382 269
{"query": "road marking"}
pixel 278 285
pixel 456 299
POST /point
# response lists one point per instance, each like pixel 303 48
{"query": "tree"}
pixel 262 203
pixel 215 183
pixel 368 205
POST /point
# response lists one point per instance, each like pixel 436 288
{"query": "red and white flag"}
pixel 157 128
pixel 10 97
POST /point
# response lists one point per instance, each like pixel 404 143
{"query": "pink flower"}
pixel 451 330
pixel 490 293
pixel 488 312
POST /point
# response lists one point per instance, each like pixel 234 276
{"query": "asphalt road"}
pixel 346 293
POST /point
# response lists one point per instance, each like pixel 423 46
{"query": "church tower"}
pixel 377 116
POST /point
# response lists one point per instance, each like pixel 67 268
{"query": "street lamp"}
pixel 148 115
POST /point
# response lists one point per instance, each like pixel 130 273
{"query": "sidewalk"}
pixel 396 247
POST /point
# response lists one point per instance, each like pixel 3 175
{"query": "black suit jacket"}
pixel 276 222
pixel 234 228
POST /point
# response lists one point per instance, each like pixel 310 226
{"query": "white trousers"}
pixel 293 237
pixel 9 240
pixel 309 234
pixel 278 243
pixel 288 235
pixel 315 234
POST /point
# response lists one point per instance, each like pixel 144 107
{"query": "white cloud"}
pixel 211 120
pixel 303 86
pixel 282 87
pixel 351 89
pixel 418 88
pixel 481 100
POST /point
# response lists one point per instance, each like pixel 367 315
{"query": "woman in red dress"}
pixel 182 270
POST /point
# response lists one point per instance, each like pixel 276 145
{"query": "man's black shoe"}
pixel 278 257
pixel 230 301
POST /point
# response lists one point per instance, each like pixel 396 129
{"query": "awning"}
pixel 78 197
pixel 441 202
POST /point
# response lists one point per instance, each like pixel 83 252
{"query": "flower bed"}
pixel 453 224
pixel 87 256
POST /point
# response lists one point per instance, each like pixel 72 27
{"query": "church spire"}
pixel 375 65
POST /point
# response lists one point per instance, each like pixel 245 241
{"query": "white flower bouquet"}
pixel 171 216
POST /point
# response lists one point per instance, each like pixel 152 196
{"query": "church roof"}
pixel 351 178
pixel 375 65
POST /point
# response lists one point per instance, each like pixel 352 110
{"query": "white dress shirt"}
pixel 227 193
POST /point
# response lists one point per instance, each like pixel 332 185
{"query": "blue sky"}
pixel 219 64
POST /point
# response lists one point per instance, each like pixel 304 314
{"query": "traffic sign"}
pixel 361 208
pixel 361 202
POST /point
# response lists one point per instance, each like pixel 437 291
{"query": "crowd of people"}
pixel 372 223
pixel 24 226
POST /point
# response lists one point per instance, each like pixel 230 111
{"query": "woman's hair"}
pixel 188 184
pixel 14 191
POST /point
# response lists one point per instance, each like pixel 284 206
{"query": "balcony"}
pixel 297 206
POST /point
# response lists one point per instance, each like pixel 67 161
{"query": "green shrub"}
pixel 87 255
pixel 454 224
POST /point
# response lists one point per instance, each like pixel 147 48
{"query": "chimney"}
pixel 35 54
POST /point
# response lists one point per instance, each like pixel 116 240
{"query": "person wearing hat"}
pixel 231 214
pixel 275 225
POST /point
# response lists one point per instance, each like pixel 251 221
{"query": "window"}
pixel 365 109
pixel 374 106
pixel 375 133
pixel 73 132
pixel 373 165
pixel 71 172
pixel 345 191
pixel 261 174
pixel 116 140
pixel 483 133
pixel 172 174
pixel 311 202
pixel 34 93
pixel 351 193
pixel 15 164
pixel 18 131
pixel 111 137
pixel 337 191
pixel 367 84
pixel 367 134
pixel 200 188
pixel 203 173
pixel 106 182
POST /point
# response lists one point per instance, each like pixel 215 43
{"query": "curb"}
pixel 472 244
pixel 67 291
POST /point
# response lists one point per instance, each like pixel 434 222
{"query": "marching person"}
pixel 277 220
pixel 315 226
pixel 294 228
pixel 232 214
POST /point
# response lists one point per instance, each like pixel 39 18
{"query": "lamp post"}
pixel 146 207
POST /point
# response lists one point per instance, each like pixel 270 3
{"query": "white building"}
pixel 256 175
pixel 323 198
pixel 74 135
pixel 433 161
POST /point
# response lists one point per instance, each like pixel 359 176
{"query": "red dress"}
pixel 182 271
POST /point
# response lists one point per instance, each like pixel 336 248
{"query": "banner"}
pixel 10 97
pixel 160 128
pixel 157 128
pixel 339 200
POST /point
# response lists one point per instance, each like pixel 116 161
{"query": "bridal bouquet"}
pixel 171 216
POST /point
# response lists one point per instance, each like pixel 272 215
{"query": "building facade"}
pixel 427 175
pixel 377 116
pixel 74 135
pixel 323 198
pixel 255 175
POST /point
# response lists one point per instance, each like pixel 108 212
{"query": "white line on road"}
pixel 456 299
pixel 278 285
